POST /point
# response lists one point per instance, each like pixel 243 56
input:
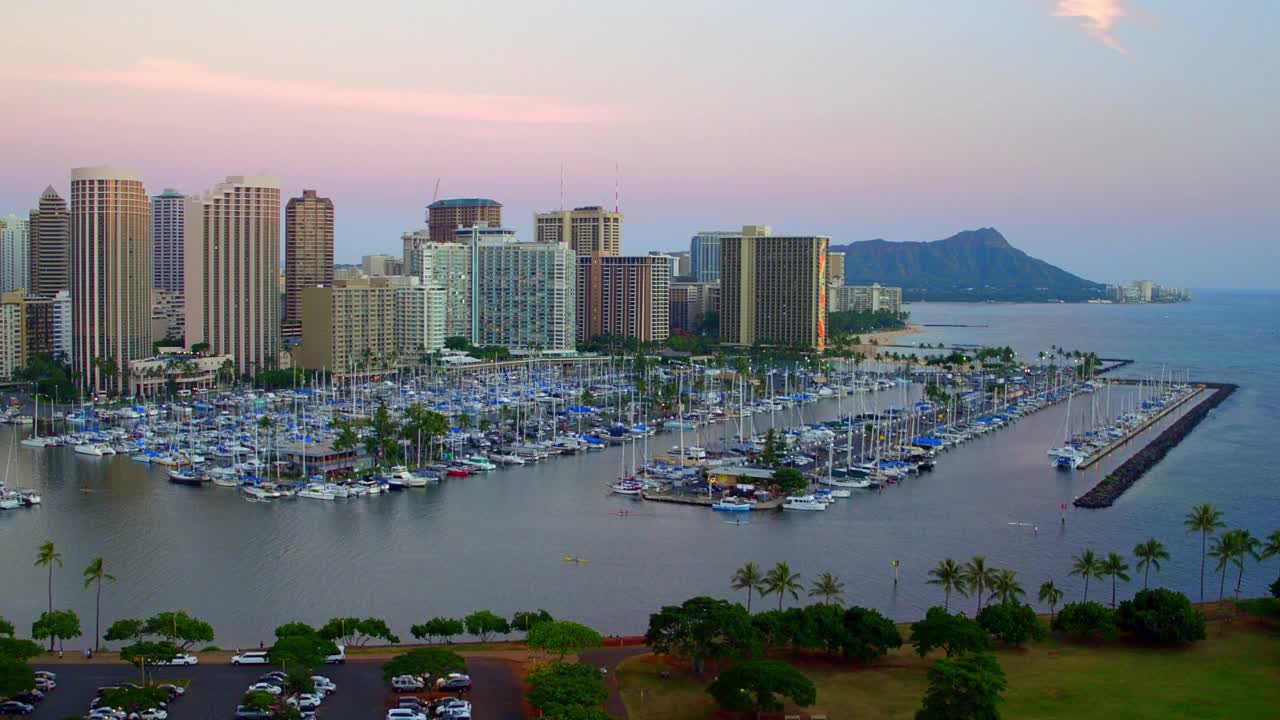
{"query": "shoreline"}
pixel 873 344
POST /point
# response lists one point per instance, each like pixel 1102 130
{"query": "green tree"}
pixel 702 629
pixel 955 634
pixel 1005 586
pixel 1115 568
pixel 828 587
pixel 755 686
pixel 1013 622
pixel 354 632
pixel 1244 546
pixel 978 577
pixel 128 629
pixel 1223 551
pixel 749 578
pixel 526 619
pixel 1050 595
pixel 780 581
pixel 19 649
pixel 1086 620
pixel 769 454
pixel 484 624
pixel 949 575
pixel 6 627
pixel 1161 616
pixel 443 628
pixel 557 685
pixel 563 638
pixel 1149 554
pixel 179 628
pixel 1204 519
pixel 345 436
pixel 291 629
pixel 301 652
pixel 1086 565
pixel 790 480
pixel 95 573
pixel 58 625
pixel 868 634
pixel 147 652
pixel 15 676
pixel 432 662
pixel 968 687
pixel 48 556
pixel 383 441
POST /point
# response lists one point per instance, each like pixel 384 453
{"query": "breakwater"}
pixel 1105 493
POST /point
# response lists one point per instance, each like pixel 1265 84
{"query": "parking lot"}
pixel 214 690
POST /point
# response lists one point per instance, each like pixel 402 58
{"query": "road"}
pixel 214 690
pixel 610 658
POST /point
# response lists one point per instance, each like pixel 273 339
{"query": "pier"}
pixel 701 501
pixel 1105 493
pixel 1140 428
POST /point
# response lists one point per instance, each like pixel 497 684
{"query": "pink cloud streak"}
pixel 1099 16
pixel 178 77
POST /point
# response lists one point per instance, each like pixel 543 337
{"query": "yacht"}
pixel 628 486
pixel 401 476
pixel 96 449
pixel 255 492
pixel 316 491
pixel 185 478
pixel 804 502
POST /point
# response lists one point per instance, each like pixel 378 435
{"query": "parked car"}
pixel 278 675
pixel 447 705
pixel 152 714
pixel 30 697
pixel 44 685
pixel 324 684
pixel 254 657
pixel 13 707
pixel 339 658
pixel 454 684
pixel 46 675
pixel 404 714
pixel 247 713
pixel 183 659
pixel 407 683
pixel 175 691
pixel 265 687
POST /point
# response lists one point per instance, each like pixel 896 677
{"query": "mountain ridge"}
pixel 971 265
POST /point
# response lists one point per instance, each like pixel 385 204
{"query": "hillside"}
pixel 973 265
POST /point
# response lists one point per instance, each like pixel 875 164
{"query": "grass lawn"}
pixel 1235 673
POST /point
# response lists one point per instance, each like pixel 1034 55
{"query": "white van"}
pixel 338 659
pixel 256 657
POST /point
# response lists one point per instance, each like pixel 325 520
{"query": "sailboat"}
pixel 35 441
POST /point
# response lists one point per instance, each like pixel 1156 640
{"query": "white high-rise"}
pixel 167 228
pixel 231 263
pixel 15 253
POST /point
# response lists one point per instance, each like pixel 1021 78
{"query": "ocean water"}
pixel 498 541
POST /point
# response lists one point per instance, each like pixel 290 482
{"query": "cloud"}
pixel 1099 16
pixel 172 76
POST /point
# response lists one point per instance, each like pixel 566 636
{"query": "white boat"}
pixel 9 502
pixel 403 477
pixel 316 491
pixel 95 449
pixel 35 442
pixel 478 462
pixel 506 459
pixel 256 492
pixel 804 502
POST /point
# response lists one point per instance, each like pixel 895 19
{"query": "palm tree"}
pixel 1204 519
pixel 828 587
pixel 781 580
pixel 948 574
pixel 1222 550
pixel 1086 565
pixel 48 556
pixel 1149 554
pixel 1246 546
pixel 978 577
pixel 749 578
pixel 1050 595
pixel 1272 547
pixel 95 573
pixel 1115 568
pixel 1005 586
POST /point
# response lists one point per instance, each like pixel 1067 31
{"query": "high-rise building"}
pixel 349 327
pixel 773 289
pixel 12 350
pixel 167 228
pixel 704 255
pixel 522 295
pixel 690 303
pixel 588 230
pixel 865 298
pixel 835 269
pixel 446 216
pixel 111 274
pixel 45 324
pixel 308 253
pixel 446 266
pixel 418 319
pixel 168 315
pixel 50 245
pixel 684 264
pixel 15 248
pixel 624 296
pixel 232 271
pixel 381 265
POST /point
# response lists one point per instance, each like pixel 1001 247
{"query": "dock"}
pixel 707 502
pixel 1139 428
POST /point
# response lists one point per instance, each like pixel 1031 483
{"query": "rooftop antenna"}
pixel 436 195
pixel 617 184
pixel 561 187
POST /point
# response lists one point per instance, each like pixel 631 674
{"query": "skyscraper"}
pixel 15 250
pixel 624 296
pixel 50 248
pixel 835 269
pixel 232 271
pixel 704 255
pixel 167 238
pixel 586 230
pixel 111 258
pixel 523 295
pixel 446 216
pixel 308 252
pixel 773 289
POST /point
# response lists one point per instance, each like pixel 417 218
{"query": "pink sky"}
pixel 907 120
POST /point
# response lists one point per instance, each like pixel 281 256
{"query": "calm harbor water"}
pixel 499 541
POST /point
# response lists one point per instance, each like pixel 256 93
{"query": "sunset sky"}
pixel 1116 138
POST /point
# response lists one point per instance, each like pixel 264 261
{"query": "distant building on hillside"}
pixel 1146 291
pixel 865 298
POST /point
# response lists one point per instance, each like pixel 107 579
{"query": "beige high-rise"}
pixel 773 289
pixel 110 274
pixel 308 252
pixel 232 271
pixel 587 230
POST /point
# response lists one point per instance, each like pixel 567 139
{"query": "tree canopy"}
pixel 756 685
pixel 434 662
pixel 15 676
pixel 484 624
pixel 1161 616
pixel 1013 622
pixel 57 625
pixel 563 637
pixel 701 629
pixel 441 627
pixel 955 634
pixel 357 631
pixel 555 686
pixel 967 687
pixel 178 628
